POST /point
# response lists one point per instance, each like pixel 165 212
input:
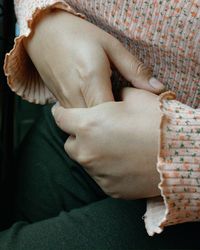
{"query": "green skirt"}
pixel 57 206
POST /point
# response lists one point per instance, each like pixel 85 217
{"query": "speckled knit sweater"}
pixel 164 34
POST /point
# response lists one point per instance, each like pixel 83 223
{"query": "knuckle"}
pixel 85 159
pixel 147 71
pixel 69 151
pixel 87 125
pixel 107 186
pixel 115 195
pixel 84 127
pixel 66 147
pixel 111 193
pixel 140 69
pixel 71 147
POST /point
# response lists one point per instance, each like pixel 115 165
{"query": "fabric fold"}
pixel 178 165
pixel 22 76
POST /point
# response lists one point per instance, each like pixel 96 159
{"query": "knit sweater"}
pixel 165 35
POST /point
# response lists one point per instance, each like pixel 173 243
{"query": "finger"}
pixel 129 94
pixel 96 84
pixel 67 119
pixel 131 68
pixel 71 147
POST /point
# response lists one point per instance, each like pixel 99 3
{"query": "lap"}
pixel 49 184
pixel 47 180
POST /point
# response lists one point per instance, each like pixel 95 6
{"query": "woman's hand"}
pixel 73 58
pixel 117 143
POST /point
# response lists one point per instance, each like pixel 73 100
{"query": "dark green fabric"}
pixel 59 207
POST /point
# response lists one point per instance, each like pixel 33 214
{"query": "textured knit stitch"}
pixel 164 35
pixel 179 167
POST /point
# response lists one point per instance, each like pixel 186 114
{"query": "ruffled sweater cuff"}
pixel 178 165
pixel 22 76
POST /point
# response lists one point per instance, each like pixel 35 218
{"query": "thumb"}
pixel 67 119
pixel 131 68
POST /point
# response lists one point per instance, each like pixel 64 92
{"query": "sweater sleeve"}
pixel 22 76
pixel 179 167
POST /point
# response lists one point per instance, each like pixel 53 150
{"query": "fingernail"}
pixel 57 104
pixel 156 84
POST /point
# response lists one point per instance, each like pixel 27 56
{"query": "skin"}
pixel 117 143
pixel 74 59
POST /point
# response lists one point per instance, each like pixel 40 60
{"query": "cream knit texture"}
pixel 165 35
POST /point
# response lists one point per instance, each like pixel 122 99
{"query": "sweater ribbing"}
pixel 179 167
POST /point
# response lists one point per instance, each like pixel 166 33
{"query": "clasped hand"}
pixel 73 58
pixel 116 143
